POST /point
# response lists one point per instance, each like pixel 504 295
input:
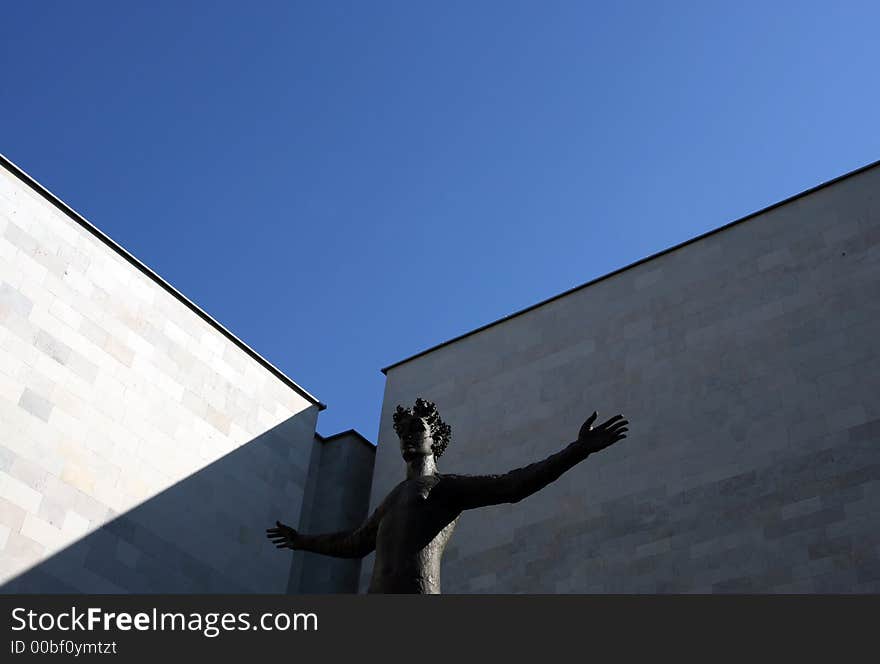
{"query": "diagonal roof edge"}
pixel 751 215
pixel 201 313
pixel 341 434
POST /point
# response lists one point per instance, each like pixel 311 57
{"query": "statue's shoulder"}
pixel 451 478
pixel 458 476
pixel 396 490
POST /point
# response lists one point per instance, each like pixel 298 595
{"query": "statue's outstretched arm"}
pixel 344 544
pixel 464 492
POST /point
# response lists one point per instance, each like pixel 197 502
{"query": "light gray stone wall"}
pixel 142 449
pixel 748 364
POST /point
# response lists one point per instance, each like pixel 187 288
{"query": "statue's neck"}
pixel 421 466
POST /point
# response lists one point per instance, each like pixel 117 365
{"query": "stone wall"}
pixel 337 497
pixel 144 448
pixel 748 363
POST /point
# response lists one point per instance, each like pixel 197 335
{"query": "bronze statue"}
pixel 411 527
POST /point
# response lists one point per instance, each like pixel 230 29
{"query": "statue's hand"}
pixel 598 438
pixel 283 537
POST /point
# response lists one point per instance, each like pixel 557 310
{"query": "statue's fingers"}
pixel 591 418
pixel 611 421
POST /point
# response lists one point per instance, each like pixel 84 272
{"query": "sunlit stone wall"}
pixel 748 363
pixel 142 449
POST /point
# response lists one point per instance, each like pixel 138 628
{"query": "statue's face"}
pixel 415 438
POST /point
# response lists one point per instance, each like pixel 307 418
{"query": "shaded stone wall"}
pixel 337 497
pixel 142 449
pixel 748 364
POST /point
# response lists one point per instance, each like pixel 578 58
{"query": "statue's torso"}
pixel 414 529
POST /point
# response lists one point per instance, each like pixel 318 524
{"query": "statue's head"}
pixel 420 429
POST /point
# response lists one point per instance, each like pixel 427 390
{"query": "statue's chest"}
pixel 414 521
pixel 418 491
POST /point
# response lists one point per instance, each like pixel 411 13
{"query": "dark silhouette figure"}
pixel 411 527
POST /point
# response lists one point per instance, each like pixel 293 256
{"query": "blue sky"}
pixel 344 184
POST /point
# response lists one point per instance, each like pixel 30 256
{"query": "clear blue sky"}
pixel 343 184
